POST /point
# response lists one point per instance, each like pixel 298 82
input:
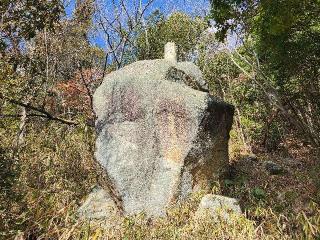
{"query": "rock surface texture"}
pixel 99 205
pixel 218 206
pixel 160 134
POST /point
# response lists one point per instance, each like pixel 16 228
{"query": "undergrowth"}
pixel 48 177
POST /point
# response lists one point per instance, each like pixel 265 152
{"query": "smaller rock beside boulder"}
pixel 218 206
pixel 273 168
pixel 99 206
pixel 252 157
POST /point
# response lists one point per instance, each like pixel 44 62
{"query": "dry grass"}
pixel 43 185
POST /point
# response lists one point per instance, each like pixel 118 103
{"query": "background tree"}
pixel 284 37
pixel 178 27
pixel 40 70
pixel 119 22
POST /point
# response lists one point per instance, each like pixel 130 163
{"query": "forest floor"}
pixel 292 196
pixel 281 206
pixel 55 178
pixel 276 206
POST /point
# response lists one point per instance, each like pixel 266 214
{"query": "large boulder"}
pixel 161 135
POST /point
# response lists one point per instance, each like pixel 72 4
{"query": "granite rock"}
pixel 160 134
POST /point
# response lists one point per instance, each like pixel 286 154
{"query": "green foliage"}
pixel 284 38
pixel 22 19
pixel 178 27
pixel 258 193
pixel 227 82
pixel 35 74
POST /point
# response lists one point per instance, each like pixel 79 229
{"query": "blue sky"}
pixel 192 7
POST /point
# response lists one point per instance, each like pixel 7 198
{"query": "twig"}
pixel 40 110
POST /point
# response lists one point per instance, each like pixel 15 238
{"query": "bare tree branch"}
pixel 119 30
pixel 2 116
pixel 46 114
pixel 86 85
